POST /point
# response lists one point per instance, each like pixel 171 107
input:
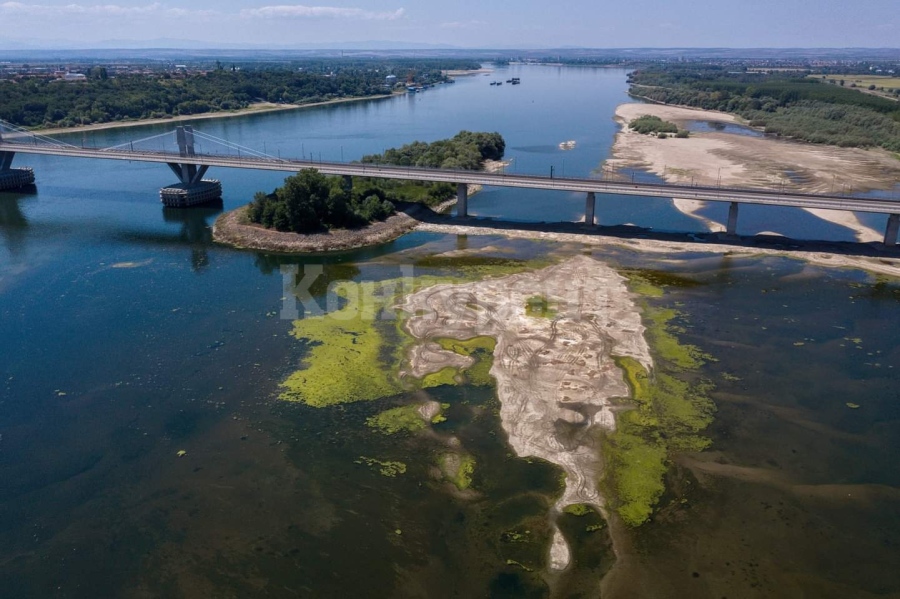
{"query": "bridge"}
pixel 179 150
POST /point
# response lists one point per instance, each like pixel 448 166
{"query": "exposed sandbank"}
pixel 733 160
pixel 548 370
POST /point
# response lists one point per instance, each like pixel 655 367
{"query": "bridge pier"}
pixel 590 205
pixel 192 189
pixel 462 199
pixel 731 228
pixel 13 178
pixel 890 232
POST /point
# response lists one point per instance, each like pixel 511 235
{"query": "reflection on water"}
pixel 196 229
pixel 12 221
pixel 720 127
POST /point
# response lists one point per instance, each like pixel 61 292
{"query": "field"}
pixel 862 82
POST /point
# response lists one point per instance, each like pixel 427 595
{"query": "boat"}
pixel 567 145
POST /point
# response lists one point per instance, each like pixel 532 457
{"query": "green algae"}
pixel 642 286
pixel 388 468
pixel 401 419
pixel 578 509
pixel 481 349
pixel 439 417
pixel 512 562
pixel 661 333
pixel 669 415
pixel 344 363
pixel 458 469
pixel 514 536
pixel 444 376
pixel 538 306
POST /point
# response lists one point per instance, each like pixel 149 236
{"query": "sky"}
pixel 462 23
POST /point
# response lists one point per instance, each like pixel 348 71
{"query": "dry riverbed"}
pixel 734 160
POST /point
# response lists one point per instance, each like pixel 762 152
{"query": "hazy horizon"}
pixel 503 24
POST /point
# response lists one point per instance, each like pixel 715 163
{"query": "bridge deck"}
pixel 715 194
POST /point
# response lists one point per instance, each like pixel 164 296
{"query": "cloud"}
pixel 96 10
pixel 462 24
pixel 299 11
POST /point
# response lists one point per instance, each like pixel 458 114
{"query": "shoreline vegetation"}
pixel 109 95
pixel 312 203
pixel 781 104
pixel 255 108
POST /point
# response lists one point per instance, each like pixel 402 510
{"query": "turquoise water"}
pixel 127 336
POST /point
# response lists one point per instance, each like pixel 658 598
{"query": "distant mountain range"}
pixel 174 49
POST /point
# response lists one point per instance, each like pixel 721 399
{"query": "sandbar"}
pixel 556 375
pixel 735 160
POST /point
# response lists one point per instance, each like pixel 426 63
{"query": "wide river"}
pixel 127 336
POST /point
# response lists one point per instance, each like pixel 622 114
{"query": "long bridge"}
pixel 190 166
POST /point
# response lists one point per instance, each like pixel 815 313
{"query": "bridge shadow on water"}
pixel 13 223
pixel 631 232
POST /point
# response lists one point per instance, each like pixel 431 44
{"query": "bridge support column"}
pixel 590 205
pixel 890 232
pixel 462 199
pixel 731 229
pixel 192 189
pixel 13 178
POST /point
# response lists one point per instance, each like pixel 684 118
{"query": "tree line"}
pixel 800 108
pixel 39 102
pixel 311 202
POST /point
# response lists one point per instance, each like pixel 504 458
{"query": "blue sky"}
pixel 465 23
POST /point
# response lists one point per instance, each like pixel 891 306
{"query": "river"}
pixel 128 336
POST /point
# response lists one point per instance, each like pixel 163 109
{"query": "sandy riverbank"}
pixel 257 108
pixel 733 160
pixel 466 73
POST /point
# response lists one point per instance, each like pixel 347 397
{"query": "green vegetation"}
pixel 344 363
pixel 481 349
pixel 578 509
pixel 539 306
pixel 652 124
pixel 404 418
pixel 310 202
pixel 669 416
pixel 389 469
pixel 783 104
pixel 466 150
pixel 41 102
pixel 458 469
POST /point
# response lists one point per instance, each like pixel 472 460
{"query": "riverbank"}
pixel 257 108
pixel 735 159
pixel 235 229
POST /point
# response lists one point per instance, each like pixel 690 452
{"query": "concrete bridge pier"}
pixel 462 199
pixel 731 228
pixel 192 189
pixel 13 178
pixel 890 232
pixel 590 205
